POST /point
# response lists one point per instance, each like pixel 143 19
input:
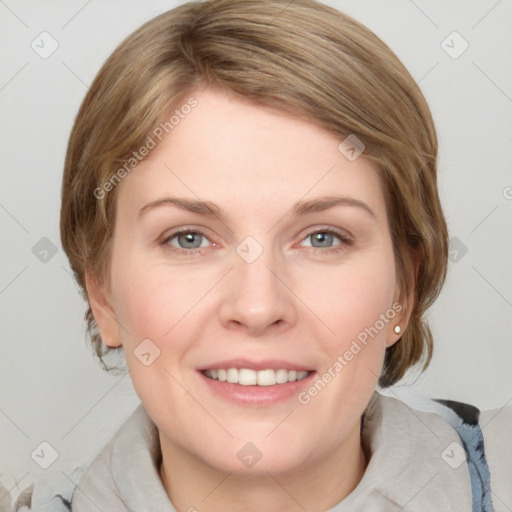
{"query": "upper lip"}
pixel 267 364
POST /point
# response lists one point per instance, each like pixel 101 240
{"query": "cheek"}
pixel 356 304
pixel 351 297
pixel 154 303
pixel 152 300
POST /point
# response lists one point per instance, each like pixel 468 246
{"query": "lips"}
pixel 247 374
pixel 256 383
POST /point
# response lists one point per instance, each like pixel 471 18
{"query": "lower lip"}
pixel 261 396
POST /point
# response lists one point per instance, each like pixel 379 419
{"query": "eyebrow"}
pixel 207 208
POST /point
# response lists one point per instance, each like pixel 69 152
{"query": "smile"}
pixel 247 377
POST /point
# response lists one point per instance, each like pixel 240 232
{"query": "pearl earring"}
pixel 397 329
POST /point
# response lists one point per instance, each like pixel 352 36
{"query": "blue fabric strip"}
pixel 465 421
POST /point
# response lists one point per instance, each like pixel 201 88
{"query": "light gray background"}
pixel 54 391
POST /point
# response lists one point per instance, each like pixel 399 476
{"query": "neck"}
pixel 193 485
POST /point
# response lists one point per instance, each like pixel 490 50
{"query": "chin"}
pixel 266 464
pixel 256 458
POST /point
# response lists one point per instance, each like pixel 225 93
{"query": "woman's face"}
pixel 248 240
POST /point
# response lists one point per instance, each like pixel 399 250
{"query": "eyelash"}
pixel 344 241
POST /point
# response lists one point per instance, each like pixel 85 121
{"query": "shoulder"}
pixel 51 492
pixel 486 437
pixel 409 460
pixel 62 491
pixel 482 446
pixel 496 425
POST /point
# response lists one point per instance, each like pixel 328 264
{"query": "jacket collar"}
pixel 124 475
pixel 406 469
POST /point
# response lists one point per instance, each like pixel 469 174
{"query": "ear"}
pixel 103 313
pixel 403 304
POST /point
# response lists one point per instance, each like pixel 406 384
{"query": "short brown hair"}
pixel 299 57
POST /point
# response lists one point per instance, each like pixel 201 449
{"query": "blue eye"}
pixel 189 240
pixel 326 239
pixel 322 238
pixel 186 241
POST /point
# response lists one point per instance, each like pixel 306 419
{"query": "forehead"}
pixel 235 153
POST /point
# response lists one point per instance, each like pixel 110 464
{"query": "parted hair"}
pixel 301 58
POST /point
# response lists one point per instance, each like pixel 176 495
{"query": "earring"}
pixel 397 329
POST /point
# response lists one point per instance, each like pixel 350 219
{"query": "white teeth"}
pixel 246 377
pixel 232 376
pixel 266 378
pixel 281 376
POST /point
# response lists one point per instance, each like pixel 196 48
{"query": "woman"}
pixel 250 206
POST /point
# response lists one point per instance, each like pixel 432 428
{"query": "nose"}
pixel 256 298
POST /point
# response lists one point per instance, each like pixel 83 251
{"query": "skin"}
pixel 295 302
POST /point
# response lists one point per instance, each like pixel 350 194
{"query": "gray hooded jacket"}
pixel 430 460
